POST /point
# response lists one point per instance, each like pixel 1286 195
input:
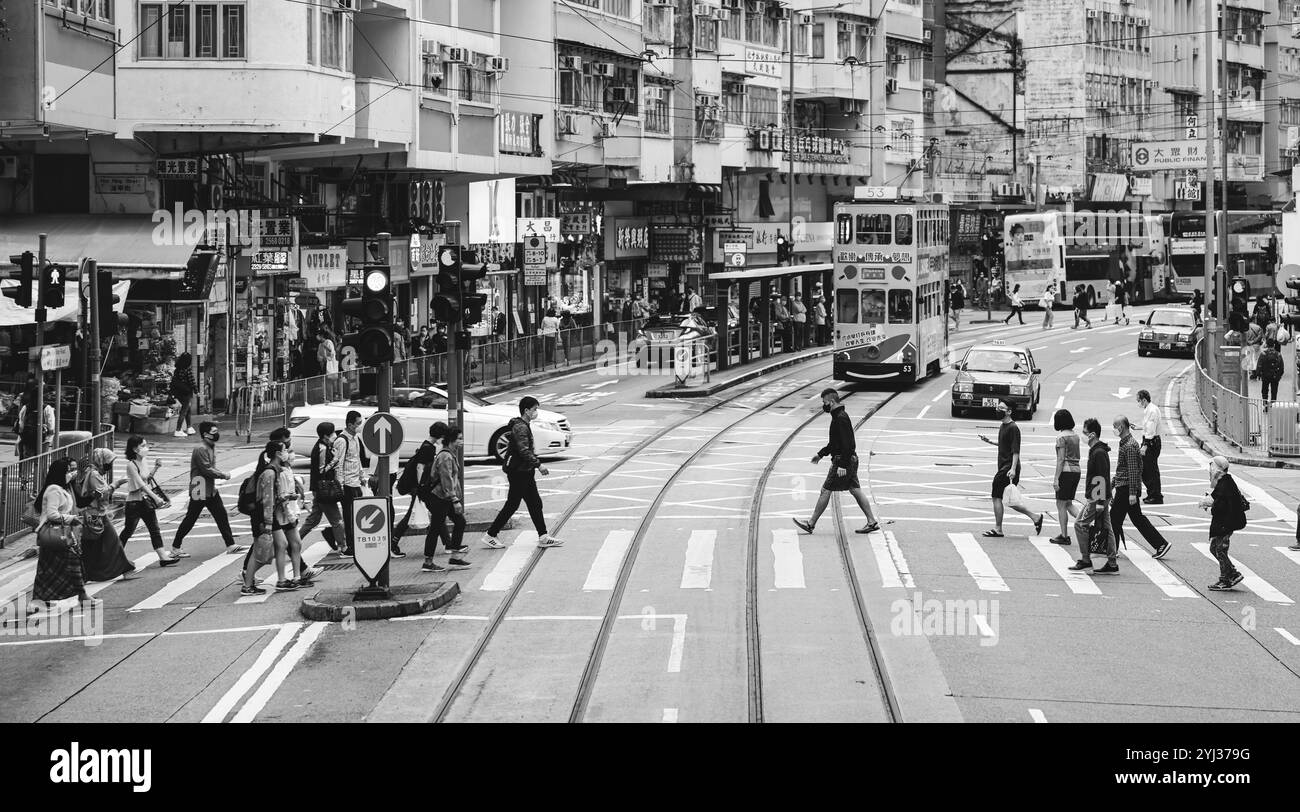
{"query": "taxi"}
pixel 996 371
pixel 1169 329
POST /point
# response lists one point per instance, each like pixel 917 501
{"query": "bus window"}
pixel 900 306
pixel 903 229
pixel 844 229
pixel 874 229
pixel 846 306
pixel 873 307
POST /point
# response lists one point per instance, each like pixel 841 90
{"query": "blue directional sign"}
pixel 370 534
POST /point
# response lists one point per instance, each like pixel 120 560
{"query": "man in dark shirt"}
pixel 1226 517
pixel 1008 472
pixel 843 476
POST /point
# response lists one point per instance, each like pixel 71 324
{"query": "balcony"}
pixel 384 112
pixel 831 80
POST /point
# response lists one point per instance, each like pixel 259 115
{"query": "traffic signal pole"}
pixel 39 412
pixel 384 402
pixel 91 269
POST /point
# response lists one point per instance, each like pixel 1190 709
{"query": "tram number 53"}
pixel 907 367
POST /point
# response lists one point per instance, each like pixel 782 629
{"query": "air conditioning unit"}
pixel 851 107
pixel 734 88
pixel 899 58
pixel 1143 22
pixel 602 128
pixel 573 63
pixel 568 124
pixel 621 93
pixel 602 69
pixel 722 14
pixel 1010 190
pixel 499 64
pixel 927 35
pixel 844 28
pixel 662 3
pixel 1238 38
pixel 345 4
pixel 871 30
pixel 429 47
pixel 778 12
pixel 733 5
pixel 703 10
pixel 8 166
pixel 927 94
pixel 458 55
pixel 891 85
pixel 1101 105
pixel 1092 14
pixel 805 19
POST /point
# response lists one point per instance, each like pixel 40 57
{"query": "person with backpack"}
pixel 1227 515
pixel 520 463
pixel 416 481
pixel 1269 368
pixel 182 389
pixel 352 461
pixel 279 498
pixel 204 474
pixel 1081 307
pixel 442 494
pixel 956 303
pixel 325 489
pixel 1254 346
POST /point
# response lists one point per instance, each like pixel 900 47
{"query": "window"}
pixel 625 103
pixel 199 31
pixel 706 34
pixel 819 41
pixel 733 99
pixel 844 40
pixel 730 27
pixel 846 306
pixel 762 105
pixel 475 83
pixel 657 113
pixel 900 306
pixel 903 229
pixel 432 75
pixel 873 307
pixel 101 10
pixel 335 51
pixel 311 37
pixel 874 229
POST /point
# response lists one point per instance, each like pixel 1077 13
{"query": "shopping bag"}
pixel 419 516
pixel 1013 498
pixel 1112 312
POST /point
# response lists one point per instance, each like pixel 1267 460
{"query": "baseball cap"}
pixel 1002 406
pixel 1220 462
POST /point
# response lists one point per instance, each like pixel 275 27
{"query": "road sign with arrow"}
pixel 1121 393
pixel 370 519
pixel 382 434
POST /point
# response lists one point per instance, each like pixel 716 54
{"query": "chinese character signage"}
pixel 519 133
pixel 763 63
pixel 677 244
pixel 627 238
pixel 277 232
pixel 808 148
pixel 576 223
pixel 548 228
pixel 1153 155
pixel 178 168
pixel 270 262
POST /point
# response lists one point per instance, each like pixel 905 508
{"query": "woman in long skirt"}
pixel 102 555
pixel 58 570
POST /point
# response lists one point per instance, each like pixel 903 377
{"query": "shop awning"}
pixel 124 243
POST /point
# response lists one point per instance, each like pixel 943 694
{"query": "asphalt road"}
pixel 684 593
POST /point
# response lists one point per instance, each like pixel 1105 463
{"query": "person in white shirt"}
pixel 1152 427
pixel 352 463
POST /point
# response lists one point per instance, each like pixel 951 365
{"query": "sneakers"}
pixel 1080 566
pixel 286 586
pixel 311 573
pixel 456 551
pixel 1065 540
pixel 458 563
pixel 1295 546
pixel 396 552
pixel 1219 586
pixel 1150 500
pixel 190 430
pixel 1164 548
pixel 807 527
pixel 429 566
pixel 1111 568
pixel 493 543
pixel 252 590
pixel 179 433
pixel 1236 579
pixel 547 540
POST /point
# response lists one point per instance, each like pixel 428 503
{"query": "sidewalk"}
pixel 1189 412
pixel 735 375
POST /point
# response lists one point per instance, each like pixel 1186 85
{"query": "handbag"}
pixel 155 495
pixel 54 538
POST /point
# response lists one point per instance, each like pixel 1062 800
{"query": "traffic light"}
pixel 446 304
pixel 107 315
pixel 374 339
pixel 1293 320
pixel 782 249
pixel 474 304
pixel 471 302
pixel 1270 252
pixel 22 292
pixel 1240 289
pixel 52 279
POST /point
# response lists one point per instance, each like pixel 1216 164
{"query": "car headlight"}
pixel 963 387
pixel 546 424
pixel 1146 334
pixel 1019 390
pixel 1183 337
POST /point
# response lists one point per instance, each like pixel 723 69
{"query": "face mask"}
pixel 826 407
pixel 214 436
pixel 72 474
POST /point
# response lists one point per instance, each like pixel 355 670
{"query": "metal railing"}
pixel 1251 424
pixel 20 480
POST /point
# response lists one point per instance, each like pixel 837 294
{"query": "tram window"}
pixel 903 229
pixel 874 229
pixel 846 306
pixel 844 229
pixel 873 307
pixel 900 306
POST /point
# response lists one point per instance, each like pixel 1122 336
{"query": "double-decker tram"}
pixel 890 261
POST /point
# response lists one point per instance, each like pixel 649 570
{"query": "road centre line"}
pixel 257 702
pixel 1290 638
pixel 254 672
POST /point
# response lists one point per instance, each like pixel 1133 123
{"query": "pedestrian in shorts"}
pixel 1225 503
pixel 843 476
pixel 1066 479
pixel 1008 472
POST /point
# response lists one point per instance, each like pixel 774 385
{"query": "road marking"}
pixel 186 581
pixel 511 564
pixel 923 411
pixel 670 715
pixel 1082 374
pixel 257 702
pixel 678 645
pixel 890 561
pixel 1060 402
pixel 1294 555
pixel 1291 638
pixel 1081 349
pixel 939 397
pixel 983 625
pixel 697 572
pixel 250 677
pixel 1037 716
pixel 1156 573
pixel 1073 341
pixel 138 635
pixel 603 573
pixel 787 561
pixel 1080 583
pixel 1036 349
pixel 1253 582
pixel 310 557
pixel 1070 385
pixel 978 563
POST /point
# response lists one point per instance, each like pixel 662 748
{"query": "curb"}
pixel 488 390
pixel 408 599
pixel 670 391
pixel 1203 442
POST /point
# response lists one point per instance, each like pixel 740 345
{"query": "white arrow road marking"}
pixel 1120 393
pixel 787 561
pixel 1253 582
pixel 250 677
pixel 978 563
pixel 1080 583
pixel 697 572
pixel 604 569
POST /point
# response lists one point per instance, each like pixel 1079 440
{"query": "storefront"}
pixel 627 253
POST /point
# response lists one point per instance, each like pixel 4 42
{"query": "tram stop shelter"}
pixel 760 285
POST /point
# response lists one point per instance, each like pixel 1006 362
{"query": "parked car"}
pixel 661 334
pixel 419 408
pixel 996 371
pixel 1169 329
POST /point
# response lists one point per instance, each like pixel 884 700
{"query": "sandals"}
pixel 1038 524
pixel 874 527
pixel 992 534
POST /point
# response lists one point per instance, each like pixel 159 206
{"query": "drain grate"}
pixel 337 567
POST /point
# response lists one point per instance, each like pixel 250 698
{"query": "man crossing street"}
pixel 1150 449
pixel 843 476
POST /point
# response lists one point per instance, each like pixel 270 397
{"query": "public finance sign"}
pixel 1156 155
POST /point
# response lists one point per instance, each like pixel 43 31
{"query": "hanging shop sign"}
pixel 576 223
pixel 809 148
pixel 627 238
pixel 423 254
pixel 673 244
pixel 519 133
pixel 323 268
pixel 119 184
pixel 547 228
pixel 266 263
pixel 177 168
pixel 763 63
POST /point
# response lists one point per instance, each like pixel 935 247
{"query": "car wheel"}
pixel 499 443
pixel 1033 406
pixel 958 412
pixel 1142 353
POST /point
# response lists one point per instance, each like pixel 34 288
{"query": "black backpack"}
pixel 248 503
pixel 508 457
pixel 1245 506
pixel 410 480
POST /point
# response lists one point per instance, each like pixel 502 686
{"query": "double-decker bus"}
pixel 890 261
pixel 1249 233
pixel 1089 248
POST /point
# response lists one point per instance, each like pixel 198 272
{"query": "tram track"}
pixel 457 685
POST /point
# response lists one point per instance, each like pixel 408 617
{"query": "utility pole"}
pixel 1222 291
pixel 383 403
pixel 1015 91
pixel 39 411
pixel 91 268
pixel 790 136
pixel 1211 340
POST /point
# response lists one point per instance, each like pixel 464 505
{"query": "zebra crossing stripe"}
pixel 604 569
pixel 1169 583
pixel 890 561
pixel 697 572
pixel 787 560
pixel 1080 583
pixel 978 563
pixel 512 562
pixel 1253 582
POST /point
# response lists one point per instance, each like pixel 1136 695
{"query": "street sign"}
pixel 307 300
pixel 735 254
pixel 58 356
pixel 1187 191
pixel 370 532
pixel 546 228
pixel 1156 155
pixel 382 434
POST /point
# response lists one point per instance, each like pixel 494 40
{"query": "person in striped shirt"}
pixel 1128 491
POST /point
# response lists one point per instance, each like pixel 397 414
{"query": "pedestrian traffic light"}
pixel 52 279
pixel 447 302
pixel 373 341
pixel 1292 320
pixel 782 249
pixel 474 304
pixel 1270 252
pixel 1240 288
pixel 106 300
pixel 22 292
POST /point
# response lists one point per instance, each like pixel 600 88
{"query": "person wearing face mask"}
pixel 843 476
pixel 139 505
pixel 1227 515
pixel 204 474
pixel 325 489
pixel 352 462
pixel 102 556
pixel 445 502
pixel 58 565
pixel 1128 491
pixel 520 463
pixel 1095 516
pixel 280 500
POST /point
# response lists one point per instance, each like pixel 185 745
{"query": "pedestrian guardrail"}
pixel 19 481
pixel 1251 424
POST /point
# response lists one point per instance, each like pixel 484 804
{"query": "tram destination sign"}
pixel 873 256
